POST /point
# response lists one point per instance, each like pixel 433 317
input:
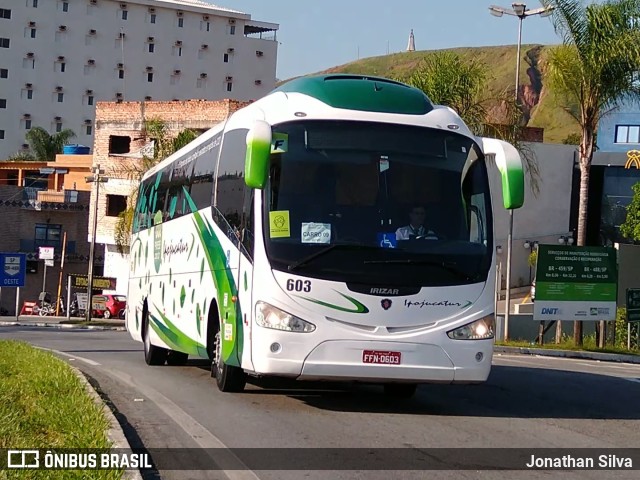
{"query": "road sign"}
pixel 575 283
pixel 633 304
pixel 49 263
pixel 14 269
pixel 45 253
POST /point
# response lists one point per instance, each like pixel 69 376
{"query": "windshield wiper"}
pixel 319 253
pixel 448 266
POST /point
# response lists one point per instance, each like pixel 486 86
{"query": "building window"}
pixel 232 30
pixel 205 26
pixel 180 22
pixel 4 42
pixel 63 66
pixel 32 33
pixel 58 127
pixel 48 235
pixel 119 144
pixel 125 14
pixel 65 6
pixel 34 3
pixel 627 134
pixel 229 86
pixel 89 130
pixel 29 63
pixel 177 51
pixel 27 124
pixel 3 103
pixel 1 134
pixel 90 100
pixel 150 77
pixel 152 18
pixel 60 97
pixel 29 94
pixel 116 204
pixel 120 73
pixel 225 58
pixel 4 73
pixel 5 13
pixel 152 47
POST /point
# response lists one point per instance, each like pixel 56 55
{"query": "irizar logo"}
pixel 550 311
pixel 384 291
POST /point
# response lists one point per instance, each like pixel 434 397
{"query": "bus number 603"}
pixel 298 285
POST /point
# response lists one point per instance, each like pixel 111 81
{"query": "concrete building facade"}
pixel 58 58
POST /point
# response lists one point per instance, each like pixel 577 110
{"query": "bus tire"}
pixel 400 390
pixel 152 355
pixel 177 359
pixel 228 378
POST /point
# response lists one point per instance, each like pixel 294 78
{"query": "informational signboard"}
pixel 14 269
pixel 575 283
pixel 633 304
pixel 45 253
pixel 99 283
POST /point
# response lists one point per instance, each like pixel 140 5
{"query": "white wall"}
pixel 543 218
pixel 77 47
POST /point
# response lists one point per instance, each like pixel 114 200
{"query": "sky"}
pixel 318 34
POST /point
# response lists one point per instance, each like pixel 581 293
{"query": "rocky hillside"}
pixel 540 107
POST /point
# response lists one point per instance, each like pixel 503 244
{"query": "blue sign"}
pixel 13 269
pixel 387 240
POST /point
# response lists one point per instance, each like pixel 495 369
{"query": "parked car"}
pixel 108 306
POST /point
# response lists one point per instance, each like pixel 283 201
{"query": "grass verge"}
pixel 588 346
pixel 43 404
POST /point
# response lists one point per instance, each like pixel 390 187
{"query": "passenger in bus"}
pixel 416 228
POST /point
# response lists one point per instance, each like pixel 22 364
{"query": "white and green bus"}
pixel 282 242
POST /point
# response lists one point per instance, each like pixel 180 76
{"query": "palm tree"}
pixel 46 146
pixel 593 72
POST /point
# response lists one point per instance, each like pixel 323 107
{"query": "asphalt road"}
pixel 528 402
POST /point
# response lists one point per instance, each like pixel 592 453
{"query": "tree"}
pixel 45 146
pixel 164 145
pixel 631 226
pixel 449 80
pixel 592 72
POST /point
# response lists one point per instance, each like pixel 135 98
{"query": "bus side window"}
pixel 230 184
pixel 247 222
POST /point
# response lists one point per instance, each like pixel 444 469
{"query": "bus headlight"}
pixel 481 329
pixel 269 316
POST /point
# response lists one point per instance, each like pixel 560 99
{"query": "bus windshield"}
pixel 376 203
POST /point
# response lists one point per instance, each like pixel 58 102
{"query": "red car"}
pixel 108 306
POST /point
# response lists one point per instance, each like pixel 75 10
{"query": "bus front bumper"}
pixel 349 360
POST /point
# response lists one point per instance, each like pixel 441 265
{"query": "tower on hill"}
pixel 411 47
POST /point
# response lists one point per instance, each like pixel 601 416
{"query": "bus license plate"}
pixel 377 356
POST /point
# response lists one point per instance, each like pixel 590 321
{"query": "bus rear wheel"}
pixel 400 390
pixel 152 355
pixel 228 378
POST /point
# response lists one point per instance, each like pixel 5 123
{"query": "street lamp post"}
pixel 96 178
pixel 531 246
pixel 518 10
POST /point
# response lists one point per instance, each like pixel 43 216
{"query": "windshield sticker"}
pixel 279 224
pixel 387 240
pixel 384 163
pixel 280 143
pixel 316 232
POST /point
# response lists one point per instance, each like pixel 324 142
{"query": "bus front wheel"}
pixel 152 355
pixel 228 378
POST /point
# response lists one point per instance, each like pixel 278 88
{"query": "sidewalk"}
pixel 581 354
pixel 62 322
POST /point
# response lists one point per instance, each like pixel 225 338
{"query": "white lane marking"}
pixel 73 357
pixel 203 437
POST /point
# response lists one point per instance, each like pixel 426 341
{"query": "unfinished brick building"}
pixel 122 140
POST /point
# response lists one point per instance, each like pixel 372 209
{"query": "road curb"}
pixel 543 352
pixel 61 325
pixel 115 433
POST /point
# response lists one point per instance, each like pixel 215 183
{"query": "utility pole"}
pixel 96 178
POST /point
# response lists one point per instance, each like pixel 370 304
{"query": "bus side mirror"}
pixel 509 164
pixel 256 165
